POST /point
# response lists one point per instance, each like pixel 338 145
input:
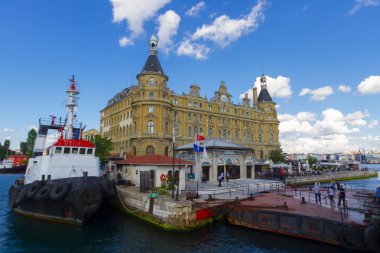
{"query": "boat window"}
pixel 75 151
pixel 82 151
pixel 89 151
pixel 66 150
pixel 58 150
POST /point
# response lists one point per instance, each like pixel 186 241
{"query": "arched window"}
pixel 150 127
pixel 210 133
pixel 195 131
pixel 260 137
pixel 189 132
pixel 224 134
pixel 271 138
pixel 166 127
pixel 220 134
pixel 150 150
pixel 201 131
pixel 166 151
pixel 236 135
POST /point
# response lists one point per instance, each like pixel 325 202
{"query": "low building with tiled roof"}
pixel 152 169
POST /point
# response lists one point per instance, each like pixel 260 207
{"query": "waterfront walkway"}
pixel 238 188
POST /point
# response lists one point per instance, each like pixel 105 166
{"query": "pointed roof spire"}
pixel 153 42
pixel 152 64
pixel 264 95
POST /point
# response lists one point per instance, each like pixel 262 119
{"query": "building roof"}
pixel 152 160
pixel 264 96
pixel 152 64
pixel 214 144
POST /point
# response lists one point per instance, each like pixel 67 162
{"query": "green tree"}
pixel 103 148
pixel 312 160
pixel 23 147
pixel 4 149
pixel 278 156
pixel 32 135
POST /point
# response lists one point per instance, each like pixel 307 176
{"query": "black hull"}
pixel 13 170
pixel 69 200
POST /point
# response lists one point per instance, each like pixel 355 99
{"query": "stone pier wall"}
pixel 163 210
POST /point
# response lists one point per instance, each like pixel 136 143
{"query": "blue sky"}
pixel 322 59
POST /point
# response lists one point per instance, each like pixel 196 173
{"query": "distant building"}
pixel 17 159
pixel 140 119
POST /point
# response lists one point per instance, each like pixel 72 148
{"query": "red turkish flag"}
pixel 200 138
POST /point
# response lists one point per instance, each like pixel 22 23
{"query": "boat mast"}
pixel 71 104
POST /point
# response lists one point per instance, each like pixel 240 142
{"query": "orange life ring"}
pixel 162 177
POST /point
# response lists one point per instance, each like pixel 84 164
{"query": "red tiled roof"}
pixel 153 160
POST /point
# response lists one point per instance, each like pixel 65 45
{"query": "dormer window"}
pixel 151 81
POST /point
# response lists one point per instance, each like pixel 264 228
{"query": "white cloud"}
pixel 168 26
pixel 8 130
pixel 373 123
pixel 194 11
pixel 305 132
pixel 357 118
pixel 277 87
pixel 344 88
pixel 318 94
pixel 370 85
pixel 135 13
pixel 124 41
pixel 363 3
pixel 306 116
pixel 192 49
pixel 224 30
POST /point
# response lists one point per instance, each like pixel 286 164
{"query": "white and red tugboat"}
pixel 64 183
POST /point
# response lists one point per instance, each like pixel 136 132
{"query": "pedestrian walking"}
pixel 317 192
pixel 330 192
pixel 220 181
pixel 341 196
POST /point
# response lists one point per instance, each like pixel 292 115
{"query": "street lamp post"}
pixel 179 174
pixel 173 163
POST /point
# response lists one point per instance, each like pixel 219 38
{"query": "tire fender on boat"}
pixel 87 200
pixel 59 191
pixel 33 188
pixel 13 191
pixel 108 187
pixel 351 239
pixel 372 237
pixel 21 196
pixel 42 194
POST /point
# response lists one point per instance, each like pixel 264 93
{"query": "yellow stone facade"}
pixel 140 119
pixel 89 135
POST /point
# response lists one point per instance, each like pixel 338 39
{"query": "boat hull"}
pixel 69 200
pixel 13 170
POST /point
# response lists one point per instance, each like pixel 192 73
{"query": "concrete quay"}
pixel 193 208
pixel 328 177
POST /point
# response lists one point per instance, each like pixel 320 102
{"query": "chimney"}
pixel 254 97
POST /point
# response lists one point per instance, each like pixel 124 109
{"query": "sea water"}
pixel 118 232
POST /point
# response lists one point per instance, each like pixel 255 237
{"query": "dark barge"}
pixel 285 215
